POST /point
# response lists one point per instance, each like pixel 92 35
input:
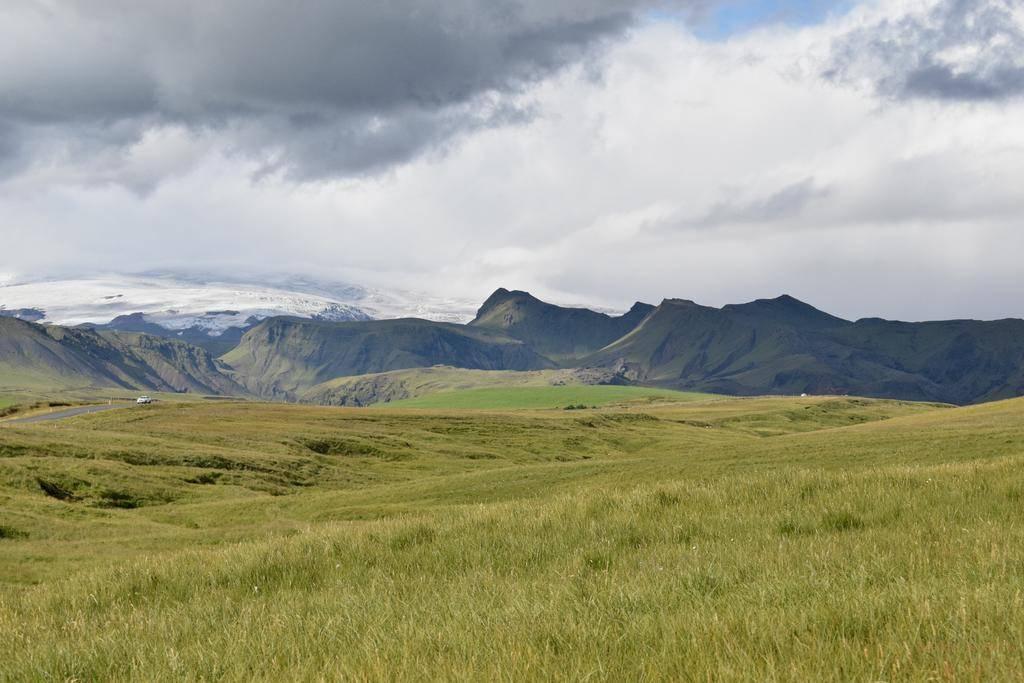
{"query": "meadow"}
pixel 8 404
pixel 516 398
pixel 719 539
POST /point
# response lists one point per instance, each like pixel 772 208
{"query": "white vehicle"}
pixel 143 400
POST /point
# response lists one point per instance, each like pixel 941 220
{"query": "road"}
pixel 68 412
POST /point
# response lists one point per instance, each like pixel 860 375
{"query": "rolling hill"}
pixel 282 357
pixel 564 397
pixel 413 383
pixel 780 538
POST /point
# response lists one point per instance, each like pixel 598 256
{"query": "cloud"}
pixel 321 88
pixel 953 50
pixel 715 171
pixel 784 203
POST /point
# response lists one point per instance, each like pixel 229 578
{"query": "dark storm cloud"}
pixel 315 88
pixel 942 82
pixel 960 50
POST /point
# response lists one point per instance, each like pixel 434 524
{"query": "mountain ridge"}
pixel 780 345
pixel 558 332
pixel 33 355
pixel 281 357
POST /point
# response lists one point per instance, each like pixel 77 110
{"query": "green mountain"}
pixel 768 346
pixel 958 361
pixel 562 334
pixel 282 357
pixel 44 357
pixel 785 346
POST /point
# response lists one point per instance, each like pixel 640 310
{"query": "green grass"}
pixel 515 398
pixel 764 539
pixel 16 378
pixel 413 383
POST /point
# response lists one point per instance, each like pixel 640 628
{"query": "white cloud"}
pixel 719 172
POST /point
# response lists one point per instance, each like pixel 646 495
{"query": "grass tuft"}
pixel 841 521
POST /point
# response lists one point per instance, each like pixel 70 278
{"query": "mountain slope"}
pixel 777 345
pixel 557 332
pixel 34 356
pixel 959 361
pixel 29 358
pixel 282 357
pixel 684 344
pixel 216 341
pixel 396 385
pixel 785 346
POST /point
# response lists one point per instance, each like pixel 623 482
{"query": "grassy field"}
pixel 518 398
pixel 420 383
pixel 795 539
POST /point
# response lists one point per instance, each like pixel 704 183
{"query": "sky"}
pixel 862 156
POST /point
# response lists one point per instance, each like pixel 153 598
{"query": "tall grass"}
pixel 884 551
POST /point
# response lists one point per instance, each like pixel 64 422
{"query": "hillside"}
pixel 562 334
pixel 779 345
pixel 217 341
pixel 45 358
pixel 819 538
pixel 448 387
pixel 958 361
pixel 767 346
pixel 785 346
pixel 283 357
pixel 564 397
pixel 397 385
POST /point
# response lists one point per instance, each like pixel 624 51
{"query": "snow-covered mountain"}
pixel 213 304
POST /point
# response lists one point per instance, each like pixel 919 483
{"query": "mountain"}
pixel 34 356
pixel 30 314
pixel 559 333
pixel 779 345
pixel 282 357
pixel 216 341
pixel 784 309
pixel 785 346
pixel 958 361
